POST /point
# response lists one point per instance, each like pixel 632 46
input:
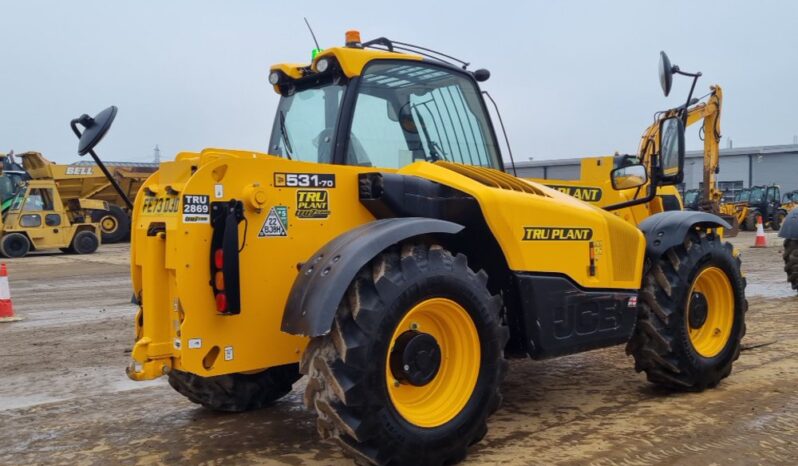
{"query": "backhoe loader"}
pixel 380 249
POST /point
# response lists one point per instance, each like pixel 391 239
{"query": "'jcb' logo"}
pixel 582 193
pixel 312 204
pixel 557 234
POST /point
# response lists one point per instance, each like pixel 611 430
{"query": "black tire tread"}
pixel 791 261
pixel 236 392
pixel 334 363
pixel 657 344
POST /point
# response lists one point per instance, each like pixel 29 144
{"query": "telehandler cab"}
pixel 380 249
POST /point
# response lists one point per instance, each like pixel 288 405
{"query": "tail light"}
pixel 225 278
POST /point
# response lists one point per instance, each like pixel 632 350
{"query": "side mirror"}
pixel 94 129
pixel 671 149
pixel 630 176
pixel 665 73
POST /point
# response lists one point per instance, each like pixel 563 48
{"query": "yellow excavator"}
pixel 594 183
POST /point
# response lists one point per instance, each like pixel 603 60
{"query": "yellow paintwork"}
pixel 351 60
pixel 174 268
pixel 439 401
pixel 49 236
pixel 595 186
pixel 710 339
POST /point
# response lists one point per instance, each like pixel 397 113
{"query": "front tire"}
pixel 236 392
pixel 691 316
pixel 374 381
pixel 14 245
pixel 791 261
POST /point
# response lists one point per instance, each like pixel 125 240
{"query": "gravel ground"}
pixel 64 396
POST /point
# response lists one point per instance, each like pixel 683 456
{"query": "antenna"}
pixel 311 33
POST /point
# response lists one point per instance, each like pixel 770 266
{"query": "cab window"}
pixel 409 112
pixel 38 199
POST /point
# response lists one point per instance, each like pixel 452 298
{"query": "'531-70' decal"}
pixel 304 180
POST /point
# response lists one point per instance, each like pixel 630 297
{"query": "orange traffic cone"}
pixel 761 240
pixel 6 306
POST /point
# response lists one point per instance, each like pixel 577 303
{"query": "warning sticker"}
pixel 228 353
pixel 312 204
pixel 196 208
pixel 276 223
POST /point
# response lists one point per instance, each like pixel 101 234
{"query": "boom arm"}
pixel 709 112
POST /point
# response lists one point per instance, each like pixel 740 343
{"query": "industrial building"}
pixel 739 168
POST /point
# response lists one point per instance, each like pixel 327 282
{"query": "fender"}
pixel 789 229
pixel 668 229
pixel 324 278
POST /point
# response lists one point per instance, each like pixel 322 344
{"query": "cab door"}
pixel 46 225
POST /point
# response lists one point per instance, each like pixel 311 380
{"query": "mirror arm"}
pixel 652 193
pixel 83 120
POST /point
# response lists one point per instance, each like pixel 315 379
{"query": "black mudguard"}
pixel 789 229
pixel 324 278
pixel 668 229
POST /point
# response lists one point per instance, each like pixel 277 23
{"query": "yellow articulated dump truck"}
pixel 87 181
pixel 379 249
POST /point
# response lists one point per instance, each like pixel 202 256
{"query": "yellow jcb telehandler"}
pixel 380 249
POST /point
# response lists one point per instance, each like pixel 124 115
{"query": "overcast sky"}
pixel 571 77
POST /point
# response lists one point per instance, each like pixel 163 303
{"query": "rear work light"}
pixel 224 256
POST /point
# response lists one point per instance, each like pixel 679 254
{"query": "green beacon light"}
pixel 315 52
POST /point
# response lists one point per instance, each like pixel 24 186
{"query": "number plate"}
pixel 166 205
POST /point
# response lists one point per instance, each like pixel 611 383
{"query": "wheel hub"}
pixel 698 310
pixel 416 358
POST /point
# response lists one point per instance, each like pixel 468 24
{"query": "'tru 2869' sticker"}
pixel 312 203
pixel 304 180
pixel 196 208
pixel 276 223
pixel 557 234
pixel 583 193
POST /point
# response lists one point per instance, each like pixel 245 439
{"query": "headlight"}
pixel 274 78
pixel 322 65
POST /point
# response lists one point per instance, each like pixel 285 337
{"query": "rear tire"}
pixel 749 224
pixel 791 261
pixel 236 392
pixel 114 224
pixel 84 242
pixel 671 348
pixel 778 219
pixel 355 391
pixel 14 245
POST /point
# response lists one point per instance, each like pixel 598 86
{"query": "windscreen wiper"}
pixel 284 133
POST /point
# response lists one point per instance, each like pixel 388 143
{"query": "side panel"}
pixel 552 232
pixel 560 318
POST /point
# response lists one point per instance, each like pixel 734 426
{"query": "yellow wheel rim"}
pixel 108 224
pixel 711 337
pixel 440 400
